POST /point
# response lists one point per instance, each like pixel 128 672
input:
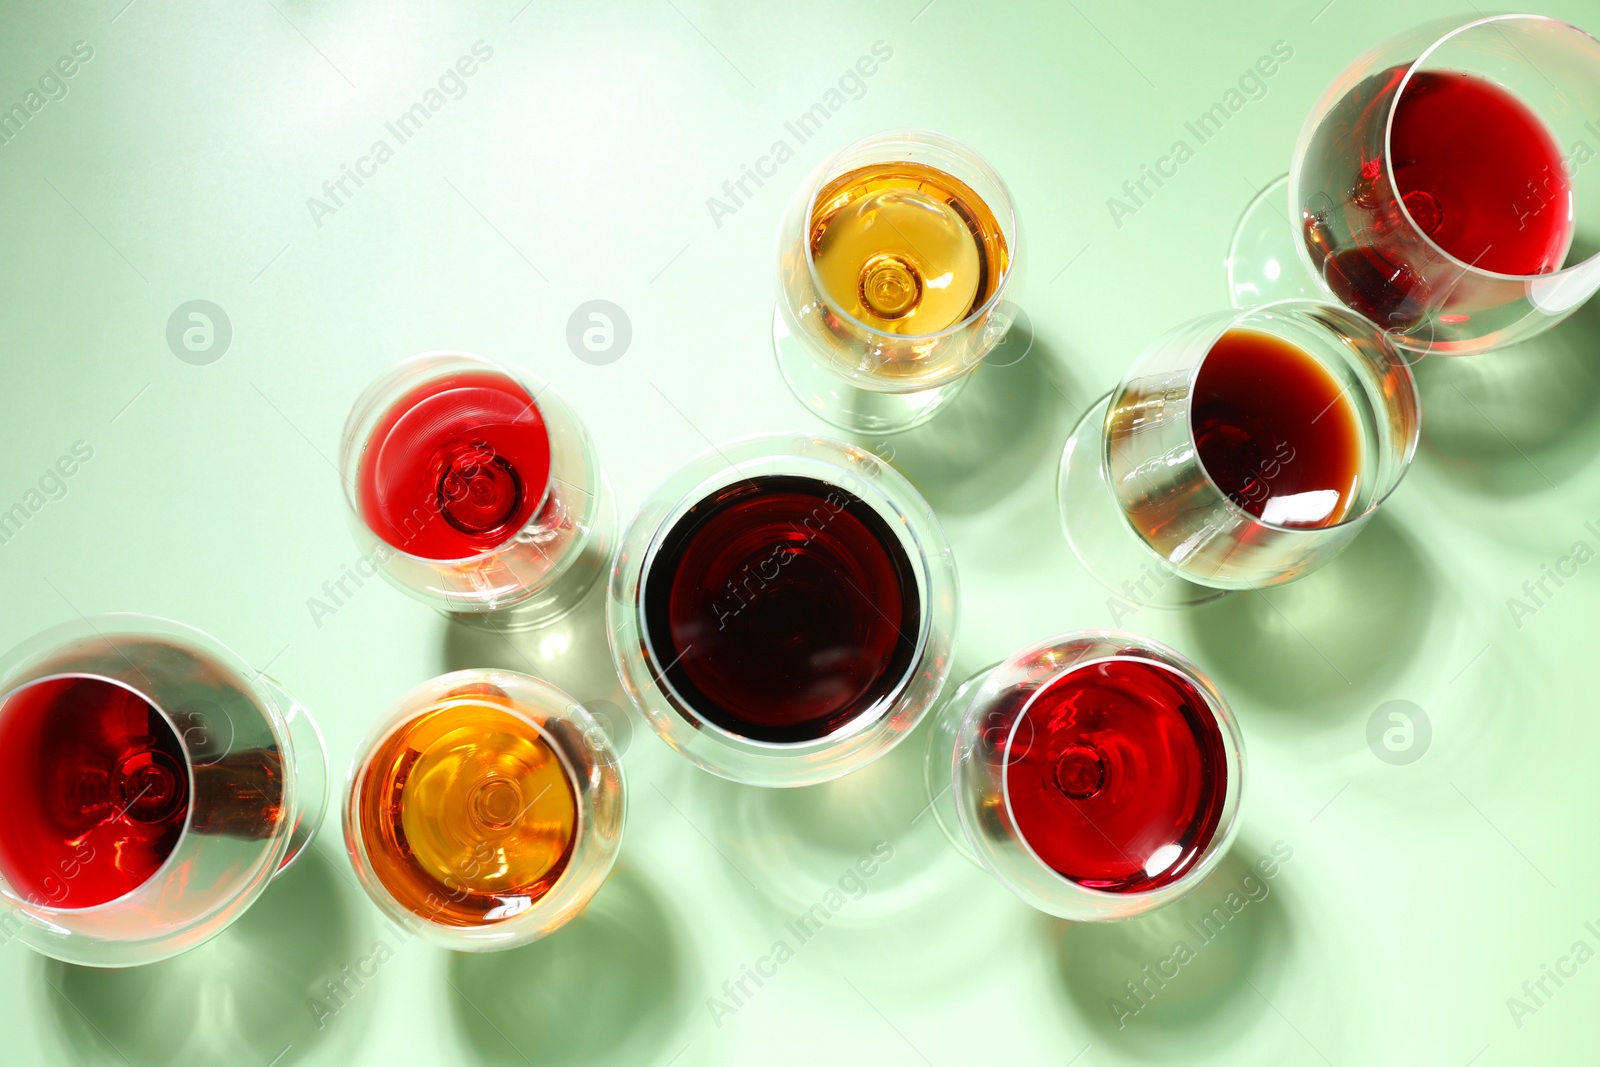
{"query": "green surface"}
pixel 577 166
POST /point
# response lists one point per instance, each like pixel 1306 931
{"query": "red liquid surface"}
pixel 1480 174
pixel 783 607
pixel 94 789
pixel 1117 775
pixel 1274 431
pixel 456 467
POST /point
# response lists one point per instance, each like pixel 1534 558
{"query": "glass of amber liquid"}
pixel 894 262
pixel 152 785
pixel 485 811
pixel 1096 775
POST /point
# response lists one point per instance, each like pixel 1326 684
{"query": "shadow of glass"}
pixel 571 653
pixel 612 986
pixel 993 434
pixel 1190 965
pixel 1520 420
pixel 1330 640
pixel 243 997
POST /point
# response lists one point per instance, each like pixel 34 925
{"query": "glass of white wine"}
pixel 895 261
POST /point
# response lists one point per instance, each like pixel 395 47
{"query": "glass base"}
pixel 557 599
pixel 1099 533
pixel 1263 263
pixel 310 763
pixel 936 765
pixel 843 405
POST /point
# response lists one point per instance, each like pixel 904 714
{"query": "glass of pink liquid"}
pixel 1443 186
pixel 474 488
pixel 1096 775
pixel 152 785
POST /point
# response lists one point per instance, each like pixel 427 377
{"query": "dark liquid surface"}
pixel 781 607
pixel 456 467
pixel 1117 775
pixel 1275 432
pixel 94 790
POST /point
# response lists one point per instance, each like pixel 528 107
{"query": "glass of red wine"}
pixel 152 785
pixel 782 610
pixel 473 487
pixel 898 260
pixel 1439 188
pixel 1097 775
pixel 1240 450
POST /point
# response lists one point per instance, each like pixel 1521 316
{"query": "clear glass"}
pixel 1146 519
pixel 591 767
pixel 257 783
pixel 870 731
pixel 1338 226
pixel 971 744
pixel 542 571
pixel 860 377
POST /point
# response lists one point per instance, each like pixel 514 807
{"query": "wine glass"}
pixel 1097 775
pixel 783 608
pixel 485 810
pixel 895 259
pixel 1240 450
pixel 473 487
pixel 152 783
pixel 1438 187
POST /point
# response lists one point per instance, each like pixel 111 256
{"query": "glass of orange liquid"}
pixel 895 259
pixel 485 811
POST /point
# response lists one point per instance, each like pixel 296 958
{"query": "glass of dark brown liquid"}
pixel 782 609
pixel 1241 450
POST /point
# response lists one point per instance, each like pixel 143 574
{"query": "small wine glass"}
pixel 473 487
pixel 896 259
pixel 783 609
pixel 1354 220
pixel 1096 775
pixel 154 784
pixel 1147 518
pixel 485 810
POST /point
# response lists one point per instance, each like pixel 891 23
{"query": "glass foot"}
pixel 841 404
pixel 1099 533
pixel 936 765
pixel 1263 264
pixel 309 761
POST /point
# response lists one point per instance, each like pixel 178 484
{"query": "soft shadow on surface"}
pixel 1192 964
pixel 1520 420
pixel 1005 422
pixel 571 653
pixel 242 998
pixel 1345 631
pixel 610 987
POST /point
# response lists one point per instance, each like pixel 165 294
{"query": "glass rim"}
pixel 366 405
pixel 403 713
pixel 955 147
pixel 204 645
pixel 1412 68
pixel 899 522
pixel 1292 306
pixel 1231 761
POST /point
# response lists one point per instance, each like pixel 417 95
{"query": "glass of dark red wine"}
pixel 1243 449
pixel 1439 188
pixel 782 610
pixel 485 810
pixel 898 261
pixel 1097 775
pixel 152 784
pixel 473 487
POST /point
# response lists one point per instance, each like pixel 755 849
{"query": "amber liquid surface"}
pixel 467 814
pixel 906 248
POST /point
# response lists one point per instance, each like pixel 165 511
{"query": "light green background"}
pixel 577 166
